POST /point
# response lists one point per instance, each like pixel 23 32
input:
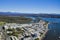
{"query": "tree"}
pixel 37 39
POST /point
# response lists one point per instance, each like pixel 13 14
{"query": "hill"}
pixel 30 15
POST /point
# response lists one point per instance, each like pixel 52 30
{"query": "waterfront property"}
pixel 31 31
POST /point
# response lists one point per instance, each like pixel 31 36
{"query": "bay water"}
pixel 54 29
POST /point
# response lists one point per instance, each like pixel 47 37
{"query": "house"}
pixel 12 38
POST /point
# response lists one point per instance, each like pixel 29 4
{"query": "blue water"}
pixel 57 20
pixel 54 29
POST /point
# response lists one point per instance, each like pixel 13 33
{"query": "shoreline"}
pixel 43 36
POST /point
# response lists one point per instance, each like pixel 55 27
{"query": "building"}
pixel 31 31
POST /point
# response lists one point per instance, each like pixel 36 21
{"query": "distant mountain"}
pixel 15 14
pixel 28 14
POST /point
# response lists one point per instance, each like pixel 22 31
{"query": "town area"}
pixel 26 31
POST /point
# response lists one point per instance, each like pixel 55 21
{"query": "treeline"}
pixel 11 19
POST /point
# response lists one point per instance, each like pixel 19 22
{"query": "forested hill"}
pixel 32 14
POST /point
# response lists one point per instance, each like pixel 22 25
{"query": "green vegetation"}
pixel 10 29
pixel 41 33
pixel 15 32
pixel 11 19
pixel 45 24
pixel 19 30
pixel 2 23
pixel 37 39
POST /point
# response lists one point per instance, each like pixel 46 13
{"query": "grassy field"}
pixel 2 23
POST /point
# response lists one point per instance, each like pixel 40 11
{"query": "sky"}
pixel 30 6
